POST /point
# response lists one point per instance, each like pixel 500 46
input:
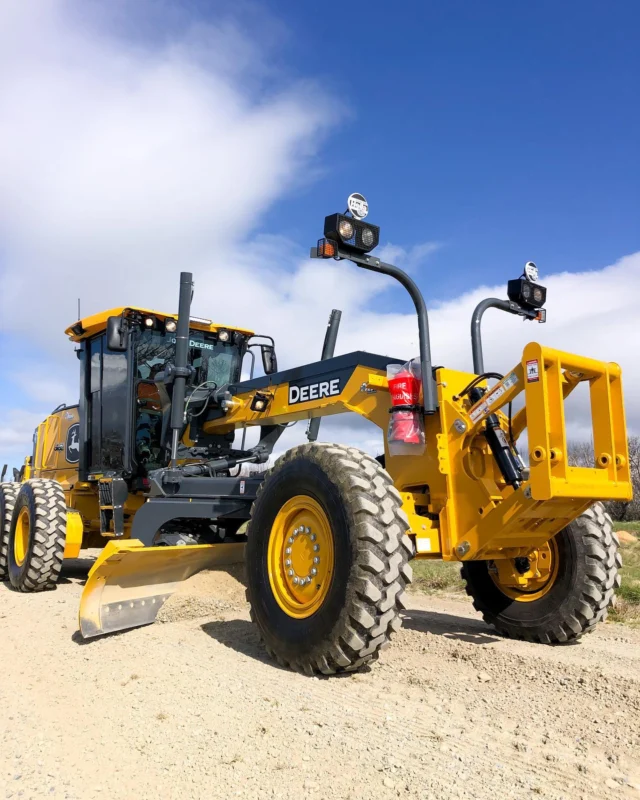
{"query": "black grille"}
pixel 104 492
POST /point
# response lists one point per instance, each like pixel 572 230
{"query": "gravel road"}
pixel 191 708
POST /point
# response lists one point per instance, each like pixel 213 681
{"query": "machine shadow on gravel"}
pixel 449 626
pixel 241 635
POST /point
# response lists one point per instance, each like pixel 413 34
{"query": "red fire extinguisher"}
pixel 406 426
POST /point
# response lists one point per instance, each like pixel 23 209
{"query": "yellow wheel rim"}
pixel 532 583
pixel 301 557
pixel 21 539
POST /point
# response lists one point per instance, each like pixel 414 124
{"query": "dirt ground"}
pixel 191 708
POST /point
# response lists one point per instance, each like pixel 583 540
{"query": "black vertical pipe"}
pixel 476 322
pixel 428 384
pixel 181 363
pixel 328 349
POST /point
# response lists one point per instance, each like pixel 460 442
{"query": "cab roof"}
pixel 89 326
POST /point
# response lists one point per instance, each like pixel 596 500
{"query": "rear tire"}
pixel 37 536
pixel 358 605
pixel 588 575
pixel 8 494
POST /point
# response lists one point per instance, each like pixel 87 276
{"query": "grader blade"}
pixel 129 582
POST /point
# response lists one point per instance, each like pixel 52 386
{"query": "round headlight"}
pixel 526 290
pixel 537 295
pixel 170 326
pixel 223 336
pixel 367 237
pixel 345 229
pixel 149 322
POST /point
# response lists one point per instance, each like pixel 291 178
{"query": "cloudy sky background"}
pixel 132 151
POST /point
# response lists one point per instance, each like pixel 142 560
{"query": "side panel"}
pixel 58 446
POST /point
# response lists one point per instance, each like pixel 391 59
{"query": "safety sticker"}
pixel 495 394
pixel 477 412
pixel 533 371
pixel 501 388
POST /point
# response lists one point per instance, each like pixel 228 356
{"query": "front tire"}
pixel 583 588
pixel 8 494
pixel 326 559
pixel 37 536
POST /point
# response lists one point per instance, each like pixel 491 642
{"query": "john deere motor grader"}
pixel 146 466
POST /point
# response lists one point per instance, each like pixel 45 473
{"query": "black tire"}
pixel 367 591
pixel 45 505
pixel 588 575
pixel 8 494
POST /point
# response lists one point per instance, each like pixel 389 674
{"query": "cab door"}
pixel 109 408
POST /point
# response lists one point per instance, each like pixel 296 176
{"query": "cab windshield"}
pixel 212 361
pixel 215 364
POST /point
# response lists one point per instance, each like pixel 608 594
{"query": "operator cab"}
pixel 126 357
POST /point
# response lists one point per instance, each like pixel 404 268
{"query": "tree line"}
pixel 581 454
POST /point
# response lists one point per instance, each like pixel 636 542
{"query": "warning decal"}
pixel 533 371
pixel 477 412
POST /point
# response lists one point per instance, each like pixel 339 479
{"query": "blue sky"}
pixel 179 135
pixel 507 131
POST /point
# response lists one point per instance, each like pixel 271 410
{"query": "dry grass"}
pixel 628 606
pixel 436 576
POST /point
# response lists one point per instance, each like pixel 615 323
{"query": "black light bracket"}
pixel 532 314
pixel 373 263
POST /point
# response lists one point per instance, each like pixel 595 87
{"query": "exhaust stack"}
pixel 181 369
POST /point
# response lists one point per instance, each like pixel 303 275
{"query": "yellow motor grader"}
pixel 147 466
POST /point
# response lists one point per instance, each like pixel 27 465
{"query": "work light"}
pixel 351 233
pixel 345 229
pixel 170 325
pixel 260 401
pixel 148 322
pixel 223 336
pixel 526 293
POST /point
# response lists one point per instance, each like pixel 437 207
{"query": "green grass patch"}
pixel 628 606
pixel 436 576
pixel 632 527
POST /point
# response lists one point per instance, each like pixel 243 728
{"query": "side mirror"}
pixel 269 360
pixel 117 335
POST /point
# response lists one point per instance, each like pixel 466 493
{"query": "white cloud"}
pixel 17 431
pixel 408 258
pixel 120 165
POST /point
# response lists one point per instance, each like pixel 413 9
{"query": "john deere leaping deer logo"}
pixel 73 444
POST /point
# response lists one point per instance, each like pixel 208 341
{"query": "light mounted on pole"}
pixel 346 236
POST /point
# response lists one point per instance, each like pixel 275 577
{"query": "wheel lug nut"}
pixel 313 537
pixel 287 563
pixel 307 530
pixel 296 581
pixel 291 574
pixel 291 540
pixel 316 560
pixel 314 571
pixel 316 547
pixel 288 551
